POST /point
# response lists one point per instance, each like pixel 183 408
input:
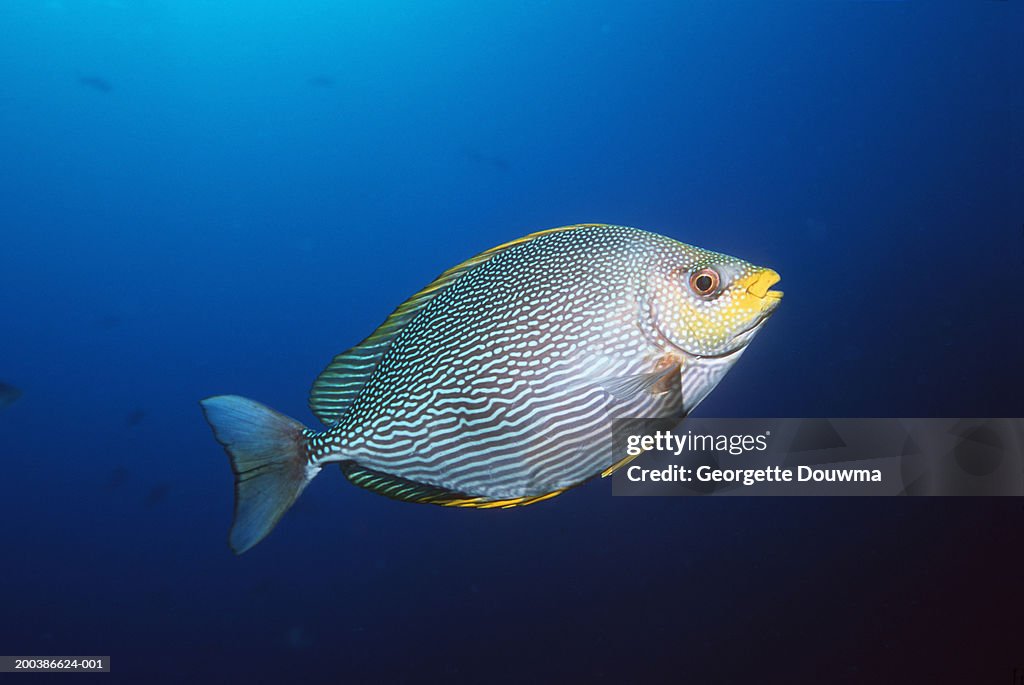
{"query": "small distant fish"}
pixel 96 83
pixel 8 395
pixel 298 637
pixel 135 417
pixel 321 81
pixel 118 477
pixel 497 384
pixel 156 495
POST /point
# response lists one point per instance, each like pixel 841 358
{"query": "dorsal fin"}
pixel 339 383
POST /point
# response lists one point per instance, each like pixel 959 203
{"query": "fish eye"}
pixel 704 282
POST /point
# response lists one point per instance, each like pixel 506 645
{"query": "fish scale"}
pixel 497 384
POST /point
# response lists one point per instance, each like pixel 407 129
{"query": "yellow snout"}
pixel 759 282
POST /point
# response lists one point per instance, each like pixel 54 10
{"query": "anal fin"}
pixel 407 490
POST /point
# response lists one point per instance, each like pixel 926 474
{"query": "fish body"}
pixel 497 384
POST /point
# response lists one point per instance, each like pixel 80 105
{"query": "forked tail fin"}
pixel 268 455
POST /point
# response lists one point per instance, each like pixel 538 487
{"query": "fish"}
pixel 496 385
pixel 97 83
pixel 156 495
pixel 118 477
pixel 8 395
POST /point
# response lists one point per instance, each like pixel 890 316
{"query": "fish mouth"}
pixel 758 284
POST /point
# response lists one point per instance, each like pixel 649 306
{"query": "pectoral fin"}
pixel 664 378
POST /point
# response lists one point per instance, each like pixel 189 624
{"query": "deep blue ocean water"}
pixel 201 198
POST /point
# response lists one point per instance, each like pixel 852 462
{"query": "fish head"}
pixel 704 304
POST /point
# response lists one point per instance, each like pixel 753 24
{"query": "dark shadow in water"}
pixel 156 495
pixel 485 160
pixel 321 81
pixel 97 83
pixel 8 395
pixel 117 478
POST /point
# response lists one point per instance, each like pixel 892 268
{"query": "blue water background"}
pixel 201 198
